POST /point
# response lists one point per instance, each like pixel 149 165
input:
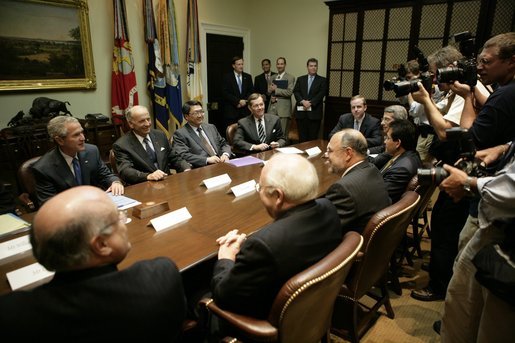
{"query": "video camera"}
pixel 467 161
pixel 402 88
pixel 465 70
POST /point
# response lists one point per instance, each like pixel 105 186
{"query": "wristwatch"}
pixel 466 185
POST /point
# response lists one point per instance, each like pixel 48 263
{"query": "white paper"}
pixel 289 150
pixel 14 246
pixel 168 220
pixel 301 108
pixel 313 151
pixel 33 274
pixel 122 202
pixel 244 188
pixel 217 181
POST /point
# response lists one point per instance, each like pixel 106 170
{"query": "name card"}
pixel 313 151
pixel 168 220
pixel 217 181
pixel 244 188
pixel 289 150
pixel 31 275
pixel 14 246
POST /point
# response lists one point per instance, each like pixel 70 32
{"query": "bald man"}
pixel 361 191
pixel 81 236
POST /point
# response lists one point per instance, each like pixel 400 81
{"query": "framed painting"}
pixel 45 44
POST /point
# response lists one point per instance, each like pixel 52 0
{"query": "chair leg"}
pixel 354 330
pixel 393 277
pixel 387 303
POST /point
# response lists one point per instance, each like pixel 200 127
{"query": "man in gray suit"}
pixel 144 153
pixel 280 101
pixel 361 191
pixel 259 131
pixel 199 143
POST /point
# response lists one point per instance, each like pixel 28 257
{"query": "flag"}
pixel 124 94
pixel 193 53
pixel 163 79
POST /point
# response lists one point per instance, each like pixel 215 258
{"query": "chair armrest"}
pixel 251 327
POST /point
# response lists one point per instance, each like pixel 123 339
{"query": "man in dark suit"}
pixel 263 80
pixel 236 88
pixel 81 236
pixel 400 161
pixel 359 120
pixel 71 163
pixel 199 143
pixel 144 153
pixel 249 272
pixel 361 192
pixel 309 92
pixel 248 137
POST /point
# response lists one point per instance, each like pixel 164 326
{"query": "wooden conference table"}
pixel 214 212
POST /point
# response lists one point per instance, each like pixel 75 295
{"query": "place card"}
pixel 244 188
pixel 15 246
pixel 168 220
pixel 289 150
pixel 217 181
pixel 313 151
pixel 31 275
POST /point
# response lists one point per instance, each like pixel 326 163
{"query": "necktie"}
pixel 239 83
pixel 310 82
pixel 267 77
pixel 261 131
pixel 77 171
pixel 205 143
pixel 387 165
pixel 356 125
pixel 150 152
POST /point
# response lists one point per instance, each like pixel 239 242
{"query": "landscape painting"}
pixel 45 45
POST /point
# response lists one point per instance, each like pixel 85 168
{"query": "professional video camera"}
pixel 402 88
pixel 465 70
pixel 467 161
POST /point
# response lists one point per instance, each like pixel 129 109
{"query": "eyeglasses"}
pixel 329 151
pixel 122 218
pixel 259 187
pixel 197 113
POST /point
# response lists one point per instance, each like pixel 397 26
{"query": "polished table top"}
pixel 214 212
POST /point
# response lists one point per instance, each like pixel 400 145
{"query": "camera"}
pixel 467 161
pixel 404 87
pixel 465 70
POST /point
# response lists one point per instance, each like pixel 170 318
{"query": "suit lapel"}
pixel 160 151
pixel 210 137
pixel 138 149
pixel 196 137
pixel 252 128
pixel 62 169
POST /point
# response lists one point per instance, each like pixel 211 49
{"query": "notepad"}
pixel 11 224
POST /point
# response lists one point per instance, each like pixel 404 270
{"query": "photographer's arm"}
pixel 468 115
pixel 487 156
pixel 434 116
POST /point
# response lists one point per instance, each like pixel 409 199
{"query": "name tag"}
pixel 31 275
pixel 14 246
pixel 244 188
pixel 168 220
pixel 217 181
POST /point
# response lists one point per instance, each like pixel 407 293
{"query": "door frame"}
pixel 224 30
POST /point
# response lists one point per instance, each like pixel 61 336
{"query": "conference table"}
pixel 213 211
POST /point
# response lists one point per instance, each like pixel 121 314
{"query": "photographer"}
pixel 474 311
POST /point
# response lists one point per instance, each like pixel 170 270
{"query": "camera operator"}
pixel 474 311
pixel 448 217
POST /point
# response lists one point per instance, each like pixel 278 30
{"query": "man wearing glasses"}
pixel 197 142
pixel 145 154
pixel 361 191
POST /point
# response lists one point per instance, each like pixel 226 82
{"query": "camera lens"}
pixel 449 74
pixel 431 175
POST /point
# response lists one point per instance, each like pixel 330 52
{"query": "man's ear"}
pixel 59 140
pixel 280 198
pixel 100 245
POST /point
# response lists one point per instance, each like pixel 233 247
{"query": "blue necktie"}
pixel 310 82
pixel 76 169
pixel 150 152
pixel 239 83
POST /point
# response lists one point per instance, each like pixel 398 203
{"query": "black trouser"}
pixel 308 129
pixel 447 220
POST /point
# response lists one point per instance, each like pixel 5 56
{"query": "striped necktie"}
pixel 261 131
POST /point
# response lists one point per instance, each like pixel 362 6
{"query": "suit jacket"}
pixel 53 175
pixel 232 96
pixel 282 107
pixel 370 128
pixel 316 95
pixel 246 134
pixel 187 144
pixel 358 196
pixel 133 162
pixel 144 303
pixel 398 175
pixel 261 87
pixel 267 259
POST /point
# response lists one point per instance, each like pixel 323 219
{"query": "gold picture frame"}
pixel 45 44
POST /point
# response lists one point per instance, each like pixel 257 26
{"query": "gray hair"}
pixel 294 175
pixel 354 139
pixel 398 112
pixel 57 126
pixel 444 56
pixel 128 114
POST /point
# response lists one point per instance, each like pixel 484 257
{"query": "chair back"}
pixel 303 307
pixel 230 131
pixel 112 161
pixel 26 178
pixel 382 235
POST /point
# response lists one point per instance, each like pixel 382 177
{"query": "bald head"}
pixel 346 148
pixel 67 225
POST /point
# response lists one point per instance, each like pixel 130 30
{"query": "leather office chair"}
pixel 382 235
pixel 302 309
pixel 112 162
pixel 230 131
pixel 293 132
pixel 27 183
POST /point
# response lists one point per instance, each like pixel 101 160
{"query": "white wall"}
pixel 295 29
